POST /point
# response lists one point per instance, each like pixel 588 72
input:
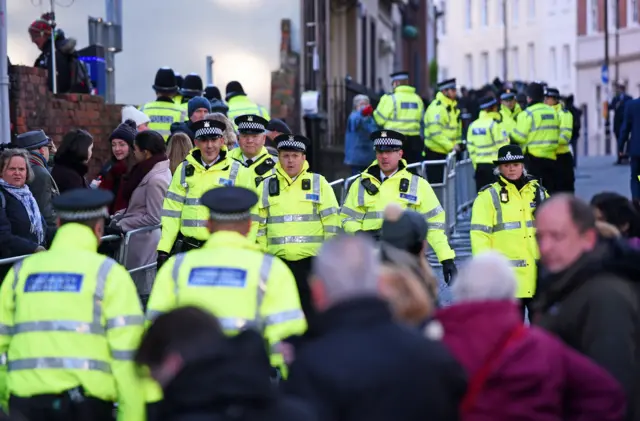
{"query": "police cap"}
pixel 165 80
pixel 251 124
pixel 208 129
pixel 399 76
pixel 229 203
pixel 552 93
pixel 387 140
pixel 291 142
pixel 447 84
pixel 82 204
pixel 509 154
pixel 192 85
pixel 487 102
pixel 508 95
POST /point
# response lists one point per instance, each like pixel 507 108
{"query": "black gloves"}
pixel 163 256
pixel 449 270
pixel 113 228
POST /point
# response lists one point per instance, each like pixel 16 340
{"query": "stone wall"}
pixel 285 82
pixel 34 107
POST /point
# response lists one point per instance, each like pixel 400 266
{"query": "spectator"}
pixel 619 211
pixel 23 230
pixel 113 173
pixel 72 160
pixel 505 360
pixel 358 148
pixel 143 190
pixel 198 107
pixel 589 296
pixel 208 376
pixel 179 147
pixel 43 188
pixel 577 125
pixel 275 128
pixel 230 137
pixel 630 132
pixel 617 105
pixel 142 120
pixel 355 362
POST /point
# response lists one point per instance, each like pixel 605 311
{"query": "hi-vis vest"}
pixel 485 137
pixel 401 111
pixel 442 128
pixel 538 131
pixel 162 114
pixel 566 129
pixel 262 166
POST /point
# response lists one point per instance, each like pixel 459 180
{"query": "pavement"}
pixel 593 175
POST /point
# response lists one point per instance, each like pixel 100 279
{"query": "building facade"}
pixel 624 63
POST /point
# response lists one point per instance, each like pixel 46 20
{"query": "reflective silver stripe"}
pixel 175 197
pixel 352 213
pixel 16 274
pixel 374 215
pixel 257 218
pixel 316 185
pixel 63 363
pixel 192 201
pixel 233 174
pixel 261 232
pixel 175 273
pixel 284 316
pixel 194 223
pixel 296 239
pixel 518 263
pixel 483 228
pixel 507 226
pixel 265 270
pixel 435 225
pixel 98 294
pixel 413 189
pixel 332 229
pixel 171 213
pixel 122 355
pixel 292 218
pixel 496 204
pixel 235 324
pixel 183 175
pixel 58 326
pixel 5 330
pixel 265 194
pixel 360 194
pixel 530 224
pixel 152 314
pixel 434 212
pixel 124 321
pixel 328 212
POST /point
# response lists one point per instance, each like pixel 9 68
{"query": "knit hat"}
pixel 125 131
pixel 197 103
pixel 218 106
pixel 212 92
pixel 404 229
pixel 277 125
pixel 130 112
pixel 233 88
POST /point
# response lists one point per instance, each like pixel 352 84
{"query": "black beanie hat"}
pixel 212 92
pixel 535 91
pixel 233 88
pixel 126 131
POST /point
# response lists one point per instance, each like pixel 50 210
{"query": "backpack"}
pixel 79 77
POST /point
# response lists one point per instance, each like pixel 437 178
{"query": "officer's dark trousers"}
pixel 435 172
pixel 544 170
pixel 484 175
pixel 413 148
pixel 301 270
pixel 565 177
pixel 60 408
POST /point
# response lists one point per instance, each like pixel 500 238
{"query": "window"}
pixel 553 63
pixel 566 63
pixel 500 64
pixel 515 11
pixel 515 63
pixel 467 18
pixel 484 12
pixel 501 6
pixel 632 11
pixel 468 59
pixel 532 9
pixel 485 67
pixel 592 17
pixel 531 53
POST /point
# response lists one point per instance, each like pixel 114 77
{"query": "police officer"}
pixel 231 277
pixel 402 111
pixel 240 104
pixel 388 181
pixel 503 217
pixel 212 93
pixel 297 212
pixel 70 320
pixel 564 173
pixel 252 152
pixel 537 132
pixel 207 166
pixel 485 137
pixel 179 81
pixel 442 128
pixel 163 112
pixel 509 110
pixel 192 87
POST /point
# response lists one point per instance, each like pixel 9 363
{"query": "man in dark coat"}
pixel 589 296
pixel 617 105
pixel 630 132
pixel 356 362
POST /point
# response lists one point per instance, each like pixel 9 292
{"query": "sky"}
pixel 243 36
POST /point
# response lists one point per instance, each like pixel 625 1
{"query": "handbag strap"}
pixel 479 379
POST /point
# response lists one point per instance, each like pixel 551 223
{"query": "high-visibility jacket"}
pixel 566 129
pixel 178 99
pixel 401 111
pixel 71 317
pixel 508 226
pixel 485 137
pixel 442 128
pixel 262 166
pixel 181 209
pixel 363 209
pixel 242 105
pixel 538 131
pixel 163 112
pixel 243 287
pixel 509 117
pixel 294 223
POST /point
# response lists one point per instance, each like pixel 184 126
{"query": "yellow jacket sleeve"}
pixel 566 127
pixel 245 179
pixel 439 129
pixel 383 111
pixel 163 297
pixel 521 131
pixel 352 215
pixel 436 220
pixel 7 309
pixel 329 209
pixel 281 310
pixel 125 324
pixel 482 217
pixel 172 211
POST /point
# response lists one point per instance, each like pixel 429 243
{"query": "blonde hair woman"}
pixel 178 148
pixel 230 137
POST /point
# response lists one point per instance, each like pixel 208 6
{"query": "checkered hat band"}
pixel 82 215
pixel 511 158
pixel 292 144
pixel 249 125
pixel 448 86
pixel 208 131
pixel 387 141
pixel 230 217
pixel 399 77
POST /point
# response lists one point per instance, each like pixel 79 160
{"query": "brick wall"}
pixel 34 107
pixel 582 17
pixel 285 82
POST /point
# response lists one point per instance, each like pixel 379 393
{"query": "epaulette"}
pixel 438 102
pixel 485 188
pixel 412 171
pixel 265 166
